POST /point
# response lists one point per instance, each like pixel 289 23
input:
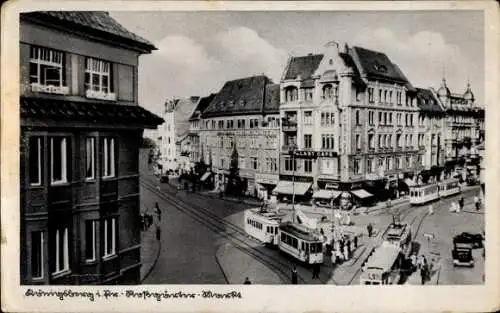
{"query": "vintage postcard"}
pixel 241 156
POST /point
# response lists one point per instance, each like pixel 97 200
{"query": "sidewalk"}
pixel 237 265
pixel 150 251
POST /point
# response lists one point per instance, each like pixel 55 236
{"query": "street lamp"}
pixel 292 151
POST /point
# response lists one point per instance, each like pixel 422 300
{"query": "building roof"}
pixel 377 66
pixel 74 111
pixel 202 105
pixel 97 21
pixel 303 66
pixel 272 101
pixel 347 58
pixel 240 96
pixel 427 102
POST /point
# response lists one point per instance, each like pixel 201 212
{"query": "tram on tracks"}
pixel 383 266
pixel 399 235
pixel 263 225
pixel 423 194
pixel 301 243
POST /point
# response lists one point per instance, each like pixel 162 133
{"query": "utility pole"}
pixel 293 182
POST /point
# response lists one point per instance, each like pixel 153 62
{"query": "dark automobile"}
pixel 462 254
pixel 475 239
pixel 164 179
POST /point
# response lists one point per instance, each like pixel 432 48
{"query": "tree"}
pixel 234 180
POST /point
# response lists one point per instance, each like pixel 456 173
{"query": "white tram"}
pixel 262 225
pixel 399 235
pixel 300 242
pixel 383 265
pixel 426 193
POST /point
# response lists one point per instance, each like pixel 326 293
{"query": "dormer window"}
pixel 291 94
pixel 47 71
pixel 380 67
pixel 98 79
pixel 329 91
pixel 242 103
pixel 230 104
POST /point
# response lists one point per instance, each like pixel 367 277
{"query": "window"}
pixel 370 165
pixel 389 141
pixel 241 162
pixel 222 162
pixel 98 76
pixel 370 94
pixel 357 166
pixel 328 141
pixel 109 236
pixel 380 118
pixel 307 141
pixel 47 68
pixel 371 143
pixel 37 254
pixel 35 160
pixel 90 240
pixel 411 119
pixel 274 165
pixel 290 164
pixel 398 163
pixel 398 140
pixel 358 94
pixel 390 97
pixel 358 122
pixel 308 120
pixel 61 253
pixel 380 95
pixel 291 94
pixel 388 164
pixel 255 163
pixel 308 94
pixel 385 118
pixel 381 163
pixel 371 117
pixel 390 118
pixel 90 157
pixel 358 142
pixel 308 166
pixel 327 118
pixel 58 160
pixel 221 124
pixel 380 142
pixel 109 157
pixel 328 92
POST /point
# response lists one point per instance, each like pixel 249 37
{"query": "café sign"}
pixel 307 154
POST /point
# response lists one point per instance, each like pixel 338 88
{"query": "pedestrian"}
pixel 457 207
pixel 413 259
pixel 423 274
pixel 355 240
pixel 158 233
pixel 461 203
pixel 431 209
pixel 420 262
pixel 349 248
pixel 370 229
pixel 294 276
pixel 158 211
pixel 346 253
pixel 247 281
pixel 476 202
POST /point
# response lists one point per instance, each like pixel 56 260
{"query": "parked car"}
pixel 475 239
pixel 164 179
pixel 462 254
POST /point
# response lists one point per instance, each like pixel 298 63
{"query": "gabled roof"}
pixel 272 101
pixel 240 96
pixel 376 65
pixel 427 102
pixel 303 66
pixel 202 105
pixel 74 111
pixel 347 58
pixel 97 21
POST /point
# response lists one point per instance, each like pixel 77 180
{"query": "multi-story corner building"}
pixel 244 116
pixel 195 124
pixel 351 115
pixel 464 125
pixel 81 130
pixel 177 113
pixel 431 122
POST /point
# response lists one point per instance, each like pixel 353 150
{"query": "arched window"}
pixel 328 91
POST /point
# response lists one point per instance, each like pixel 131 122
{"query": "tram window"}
pixel 302 245
pixel 294 243
pixel 307 247
pixel 282 237
pixel 276 230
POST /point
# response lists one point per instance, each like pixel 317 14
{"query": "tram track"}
pixel 233 233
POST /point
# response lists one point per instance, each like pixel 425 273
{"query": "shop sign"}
pixel 307 154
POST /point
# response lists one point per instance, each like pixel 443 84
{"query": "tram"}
pixel 262 225
pixel 382 267
pixel 398 235
pixel 301 243
pixel 430 192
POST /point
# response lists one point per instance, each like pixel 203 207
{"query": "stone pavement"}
pixel 150 250
pixel 236 265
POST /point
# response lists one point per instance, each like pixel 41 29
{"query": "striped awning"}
pixel 326 194
pixel 289 188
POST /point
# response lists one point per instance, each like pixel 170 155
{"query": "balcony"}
pixel 108 96
pixel 289 126
pixel 59 90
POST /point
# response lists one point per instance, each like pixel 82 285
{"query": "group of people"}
pixel 341 250
pixel 418 263
pixel 458 206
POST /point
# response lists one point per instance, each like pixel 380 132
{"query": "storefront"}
pixel 285 191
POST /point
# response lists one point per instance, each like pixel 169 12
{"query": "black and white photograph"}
pixel 251 147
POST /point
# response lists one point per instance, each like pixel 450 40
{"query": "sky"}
pixel 199 51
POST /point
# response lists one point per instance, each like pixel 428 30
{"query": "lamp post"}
pixel 292 151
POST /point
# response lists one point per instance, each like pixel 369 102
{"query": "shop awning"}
pixel 409 182
pixel 289 188
pixel 205 176
pixel 361 193
pixel 326 194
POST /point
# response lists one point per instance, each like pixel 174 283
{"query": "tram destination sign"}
pixel 308 154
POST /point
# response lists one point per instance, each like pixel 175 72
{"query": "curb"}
pixel 155 261
pixel 221 268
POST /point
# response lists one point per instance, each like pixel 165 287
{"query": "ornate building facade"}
pixel 243 116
